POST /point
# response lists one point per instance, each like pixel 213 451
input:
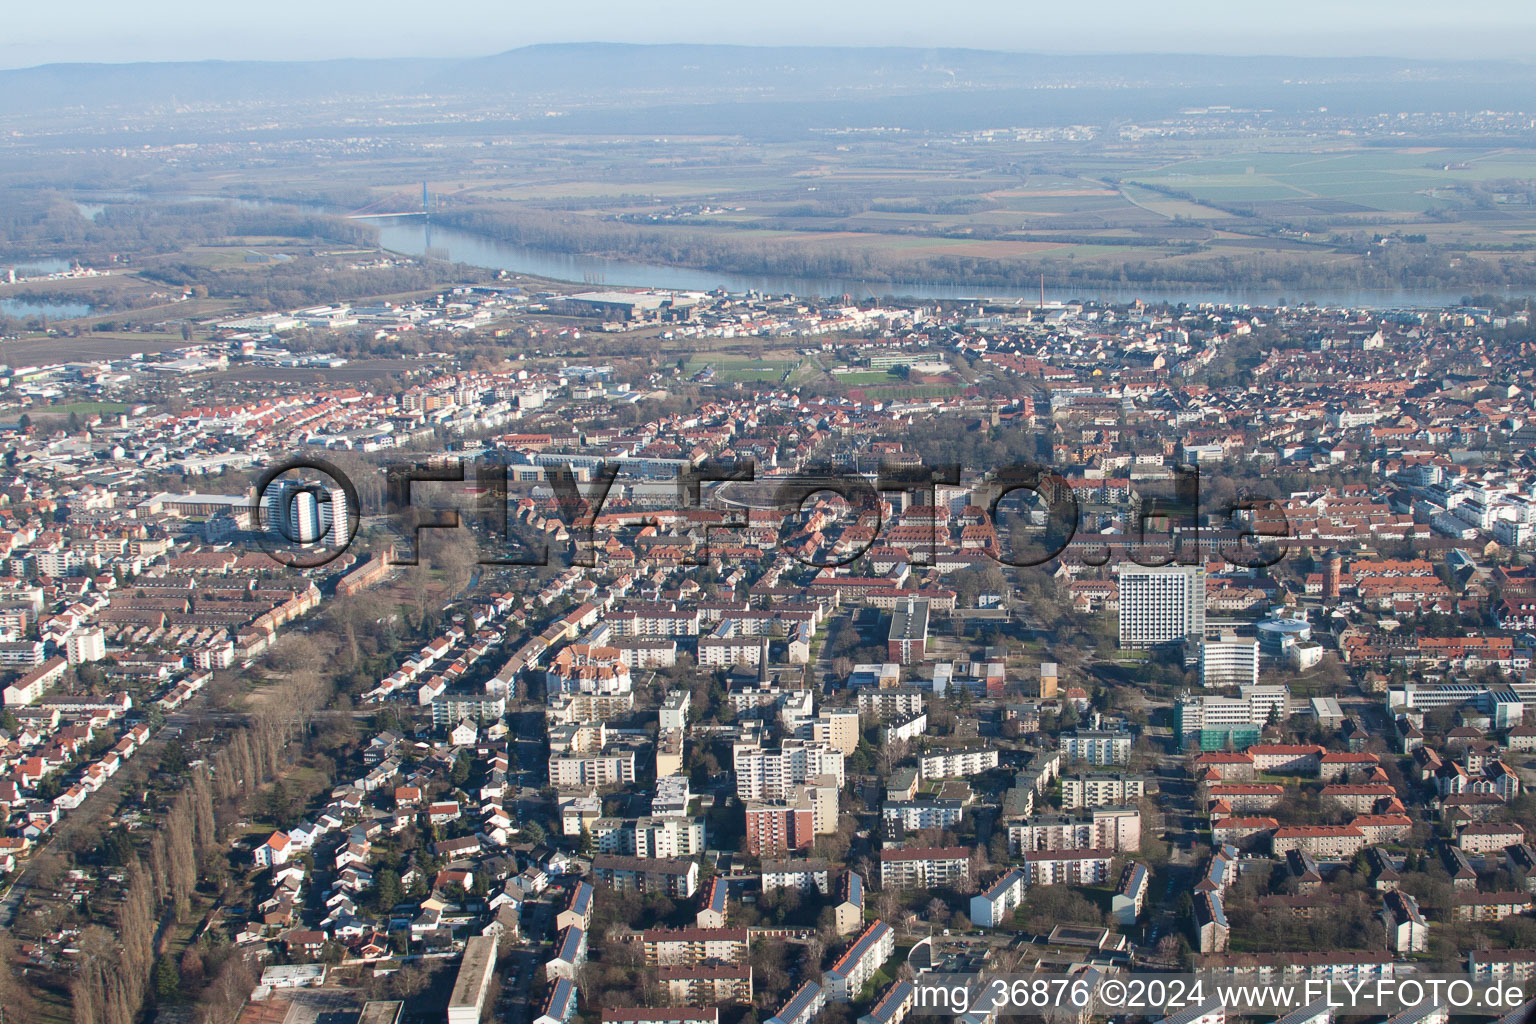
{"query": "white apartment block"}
pixel 1097 747
pixel 673 716
pixel 1100 790
pixel 1160 605
pixel 1067 867
pixel 772 774
pixel 574 771
pixel 901 702
pixel 923 867
pixel 1230 661
pixel 916 815
pixel 1106 828
pixel 957 762
pixel 86 645
pixel 668 837
pixel 859 962
pixel 991 907
pixel 902 731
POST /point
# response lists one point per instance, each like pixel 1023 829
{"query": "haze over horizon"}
pixel 181 30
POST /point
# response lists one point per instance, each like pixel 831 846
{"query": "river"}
pixel 413 236
pixel 21 309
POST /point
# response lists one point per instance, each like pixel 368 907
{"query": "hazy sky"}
pixel 112 30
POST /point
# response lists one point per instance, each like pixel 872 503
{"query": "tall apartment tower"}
pixel 1162 605
pixel 306 513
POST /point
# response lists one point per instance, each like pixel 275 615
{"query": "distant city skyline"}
pixel 181 30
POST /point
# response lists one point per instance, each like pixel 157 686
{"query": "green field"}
pixel 81 408
pixel 733 369
pixel 1380 180
pixel 862 377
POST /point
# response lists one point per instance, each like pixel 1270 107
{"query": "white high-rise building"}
pixel 86 645
pixel 304 517
pixel 303 513
pixel 1229 661
pixel 1161 605
pixel 773 774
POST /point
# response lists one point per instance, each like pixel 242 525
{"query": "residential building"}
pixel 1096 747
pixel 1131 894
pixel 1096 789
pixel 923 867
pixel 1407 931
pixel 991 907
pixel 689 947
pixel 955 762
pixel 472 984
pixel 858 963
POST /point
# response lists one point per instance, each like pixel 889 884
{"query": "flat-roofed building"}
pixel 1229 661
pixel 1067 867
pixel 923 867
pixel 707 984
pixel 689 947
pixel 1097 789
pixel 672 877
pixel 804 875
pixel 1160 605
pixel 907 641
pixel 956 762
pixel 381 1012
pixel 467 1001
pixel 1096 746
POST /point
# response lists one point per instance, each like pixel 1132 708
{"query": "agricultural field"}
pixel 1365 181
pixel 1284 214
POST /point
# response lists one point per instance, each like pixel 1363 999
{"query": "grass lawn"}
pixel 81 408
pixel 865 377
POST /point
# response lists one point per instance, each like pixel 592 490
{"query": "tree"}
pixel 15 997
pixel 461 768
pixel 386 888
pixel 167 979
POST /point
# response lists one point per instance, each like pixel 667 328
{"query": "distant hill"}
pixel 870 85
pixel 152 85
pixel 824 69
